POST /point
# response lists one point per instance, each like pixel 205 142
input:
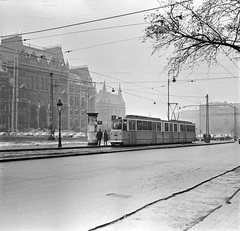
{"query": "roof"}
pixel 13 45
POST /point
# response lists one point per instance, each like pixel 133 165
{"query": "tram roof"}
pixel 137 117
pixel 142 117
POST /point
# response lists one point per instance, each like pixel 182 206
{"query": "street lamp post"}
pixel 59 108
pixel 168 104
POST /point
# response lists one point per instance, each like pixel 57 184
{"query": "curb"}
pixel 96 152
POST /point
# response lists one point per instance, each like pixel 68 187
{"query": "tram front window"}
pixel 117 124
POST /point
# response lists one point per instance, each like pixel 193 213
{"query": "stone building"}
pixel 108 104
pixel 37 77
pixel 5 97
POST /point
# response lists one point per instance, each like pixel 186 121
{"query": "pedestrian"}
pixel 105 137
pixel 99 137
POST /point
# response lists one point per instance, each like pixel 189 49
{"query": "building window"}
pixel 46 84
pixel 65 97
pixel 3 91
pixel 21 120
pixel 43 83
pixel 32 82
pixel 2 119
pixel 71 100
pixel 82 123
pixel 3 107
pixel 83 103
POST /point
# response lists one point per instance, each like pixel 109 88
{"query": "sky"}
pixel 114 52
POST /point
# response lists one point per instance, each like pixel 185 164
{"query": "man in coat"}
pixel 99 137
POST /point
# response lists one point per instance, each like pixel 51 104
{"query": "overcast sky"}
pixel 114 52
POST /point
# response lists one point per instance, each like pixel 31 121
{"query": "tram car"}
pixel 142 130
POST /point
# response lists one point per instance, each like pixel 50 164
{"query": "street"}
pixel 84 192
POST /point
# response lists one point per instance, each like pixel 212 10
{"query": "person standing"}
pixel 105 137
pixel 99 137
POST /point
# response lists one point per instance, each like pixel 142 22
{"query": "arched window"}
pixel 65 97
pixel 83 103
pixel 82 123
pixel 21 119
pixel 46 84
pixel 37 83
pixel 42 80
pixel 2 119
pixel 3 91
pixel 76 105
pixel 71 100
pixel 76 123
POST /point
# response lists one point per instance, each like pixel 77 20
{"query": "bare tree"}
pixel 197 32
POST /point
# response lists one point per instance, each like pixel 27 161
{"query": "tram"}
pixel 142 130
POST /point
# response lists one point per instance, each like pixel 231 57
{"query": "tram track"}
pixel 183 209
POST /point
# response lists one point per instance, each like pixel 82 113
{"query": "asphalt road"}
pixel 85 192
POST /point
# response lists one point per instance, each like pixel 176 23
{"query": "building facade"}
pixel 82 95
pixel 108 104
pixel 37 79
pixel 5 98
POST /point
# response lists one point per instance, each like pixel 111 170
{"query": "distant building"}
pixel 223 118
pixel 109 104
pixel 29 70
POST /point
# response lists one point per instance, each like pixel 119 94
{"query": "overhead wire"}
pixel 96 29
pixel 100 19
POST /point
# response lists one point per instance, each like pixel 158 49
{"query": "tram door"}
pixel 154 133
pixel 132 131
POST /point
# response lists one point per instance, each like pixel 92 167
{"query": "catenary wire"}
pixel 100 19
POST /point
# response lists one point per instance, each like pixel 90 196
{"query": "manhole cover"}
pixel 118 195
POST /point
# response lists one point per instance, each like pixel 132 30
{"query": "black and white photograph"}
pixel 120 115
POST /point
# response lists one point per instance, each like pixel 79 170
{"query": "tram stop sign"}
pixel 99 122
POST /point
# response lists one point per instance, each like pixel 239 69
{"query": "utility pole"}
pixel 235 123
pixel 200 118
pixel 207 140
pixel 168 104
pixel 168 100
pixel 51 123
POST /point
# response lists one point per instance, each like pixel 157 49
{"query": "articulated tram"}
pixel 139 130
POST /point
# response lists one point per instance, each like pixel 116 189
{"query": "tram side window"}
pixel 181 128
pixel 149 126
pixel 175 127
pixel 190 128
pixel 139 125
pixel 159 127
pixel 171 127
pixel 124 125
pixel 166 127
pixel 154 126
pixel 145 125
pixel 132 125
